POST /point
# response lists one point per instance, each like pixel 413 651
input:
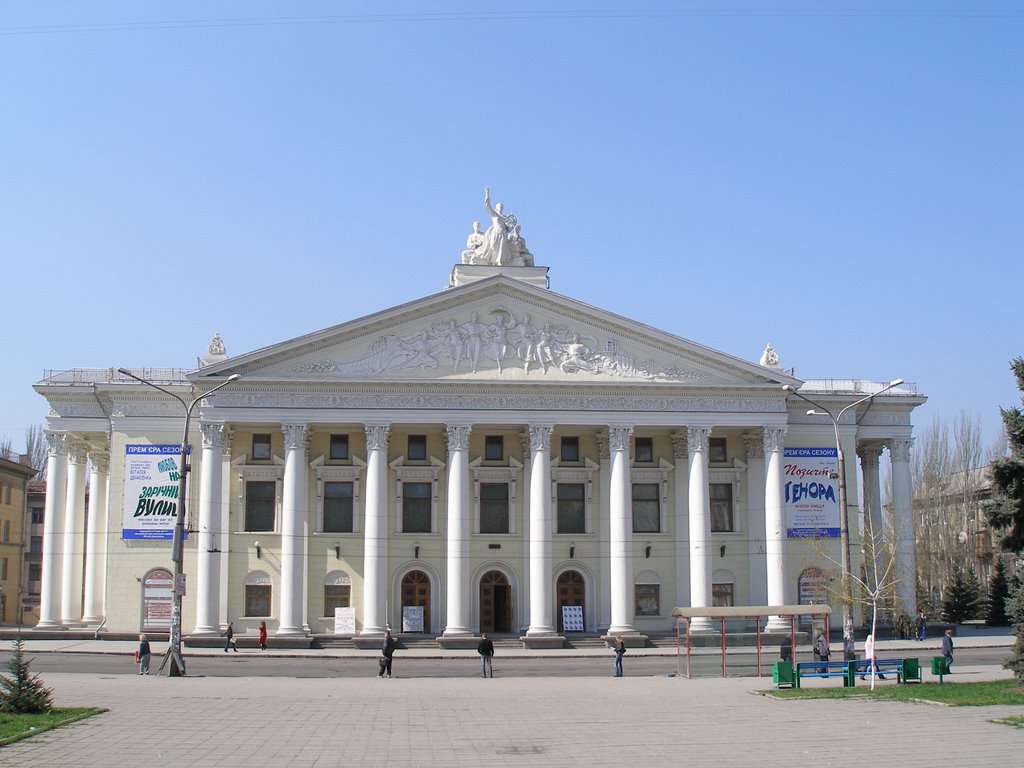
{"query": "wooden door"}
pixel 495 603
pixel 416 591
pixel 570 591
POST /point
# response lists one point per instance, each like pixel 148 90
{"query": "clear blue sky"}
pixel 845 183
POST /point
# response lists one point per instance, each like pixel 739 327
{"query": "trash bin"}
pixel 939 666
pixel 850 681
pixel 782 674
pixel 911 670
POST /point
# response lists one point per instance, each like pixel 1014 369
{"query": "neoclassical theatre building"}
pixel 495 457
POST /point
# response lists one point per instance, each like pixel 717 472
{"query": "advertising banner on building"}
pixel 151 479
pixel 812 492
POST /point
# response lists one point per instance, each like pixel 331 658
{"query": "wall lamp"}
pixel 647 551
pixel 572 551
pixel 416 551
pixel 721 551
pixel 259 551
pixel 337 551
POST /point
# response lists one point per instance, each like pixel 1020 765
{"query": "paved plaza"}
pixel 252 722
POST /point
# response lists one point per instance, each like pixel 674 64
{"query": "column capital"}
pixel 754 445
pixel 618 438
pixel 774 437
pixel 377 436
pixel 213 435
pixel 100 461
pixel 899 449
pixel 458 436
pixel 227 434
pixel 56 442
pixel 295 436
pixel 540 438
pixel 869 454
pixel 697 439
pixel 77 452
pixel 603 449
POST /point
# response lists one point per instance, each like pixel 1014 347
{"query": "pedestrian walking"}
pixel 921 625
pixel 263 635
pixel 619 646
pixel 387 650
pixel 229 637
pixel 869 657
pixel 143 655
pixel 486 651
pixel 822 650
pixel 947 649
pixel 786 648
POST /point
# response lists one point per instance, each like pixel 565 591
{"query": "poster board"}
pixel 572 618
pixel 412 618
pixel 344 621
pixel 812 493
pixel 152 478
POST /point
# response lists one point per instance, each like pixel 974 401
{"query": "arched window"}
pixel 723 588
pixel 257 601
pixel 647 594
pixel 337 592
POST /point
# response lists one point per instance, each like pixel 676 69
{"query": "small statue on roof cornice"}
pixel 215 352
pixel 769 358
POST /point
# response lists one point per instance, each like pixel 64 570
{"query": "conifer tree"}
pixel 962 598
pixel 23 692
pixel 1006 510
pixel 1015 609
pixel 998 594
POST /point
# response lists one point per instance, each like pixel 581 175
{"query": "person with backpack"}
pixel 619 647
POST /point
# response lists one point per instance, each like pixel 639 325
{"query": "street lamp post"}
pixel 844 513
pixel 173 655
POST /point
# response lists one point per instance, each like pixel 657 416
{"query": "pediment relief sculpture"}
pixel 499 342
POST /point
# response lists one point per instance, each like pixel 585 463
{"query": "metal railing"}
pixel 89 376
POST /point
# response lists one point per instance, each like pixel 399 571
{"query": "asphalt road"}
pixel 251 664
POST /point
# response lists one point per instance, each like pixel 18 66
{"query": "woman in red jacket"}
pixel 263 635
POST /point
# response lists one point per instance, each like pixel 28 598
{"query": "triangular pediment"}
pixel 495 330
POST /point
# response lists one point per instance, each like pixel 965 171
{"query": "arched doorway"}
pixel 570 590
pixel 416 593
pixel 495 603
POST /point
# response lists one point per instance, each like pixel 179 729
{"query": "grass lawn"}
pixel 17 727
pixel 951 694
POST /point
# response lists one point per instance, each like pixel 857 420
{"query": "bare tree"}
pixel 6 449
pixel 35 449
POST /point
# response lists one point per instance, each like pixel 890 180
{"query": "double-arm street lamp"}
pixel 844 513
pixel 173 655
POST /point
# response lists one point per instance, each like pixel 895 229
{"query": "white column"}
pixel 210 537
pixel 755 518
pixel 775 523
pixel 621 520
pixel 294 511
pixel 681 525
pixel 604 531
pixel 95 552
pixel 874 528
pixel 903 523
pixel 375 531
pixel 700 523
pixel 224 519
pixel 458 531
pixel 74 537
pixel 540 532
pixel 53 528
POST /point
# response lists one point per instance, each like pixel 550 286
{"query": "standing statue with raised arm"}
pixel 496 249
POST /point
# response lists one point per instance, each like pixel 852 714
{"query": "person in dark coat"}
pixel 229 638
pixel 786 648
pixel 387 650
pixel 486 651
pixel 947 649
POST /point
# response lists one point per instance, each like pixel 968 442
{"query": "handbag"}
pixel 383 662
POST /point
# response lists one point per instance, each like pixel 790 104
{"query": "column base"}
pixel 703 624
pixel 458 642
pixel 92 621
pixel 543 642
pixel 49 625
pixel 290 632
pixel 777 624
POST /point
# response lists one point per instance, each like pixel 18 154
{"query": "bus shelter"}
pixel 757 614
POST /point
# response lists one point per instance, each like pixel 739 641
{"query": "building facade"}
pixel 14 483
pixel 496 457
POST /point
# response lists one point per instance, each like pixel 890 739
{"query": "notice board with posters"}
pixel 572 618
pixel 152 478
pixel 812 493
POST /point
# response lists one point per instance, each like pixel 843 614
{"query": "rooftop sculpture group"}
pixel 501 245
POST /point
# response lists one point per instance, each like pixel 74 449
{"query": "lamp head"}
pixel 125 371
pixel 895 382
pixel 787 388
pixel 234 377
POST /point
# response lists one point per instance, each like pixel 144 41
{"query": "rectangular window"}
pixel 336 596
pixel 416 507
pixel 494 508
pixel 339 447
pixel 417 448
pixel 494 448
pixel 648 599
pixel 7 492
pixel 716 450
pixel 37 517
pixel 3 569
pixel 721 507
pixel 35 571
pixel 643 449
pixel 257 600
pixel 5 531
pixel 722 595
pixel 570 449
pixel 337 510
pixel 261 447
pixel 646 509
pixel 259 506
pixel 571 508
pixel 35 545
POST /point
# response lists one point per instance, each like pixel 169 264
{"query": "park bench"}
pixel 906 670
pixel 822 669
